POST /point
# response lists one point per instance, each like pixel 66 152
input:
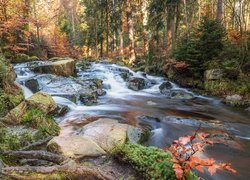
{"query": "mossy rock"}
pixel 151 162
pixel 8 102
pixel 19 58
pixel 98 83
pixel 65 67
pixel 35 118
pixel 88 99
pixel 40 100
pixel 13 138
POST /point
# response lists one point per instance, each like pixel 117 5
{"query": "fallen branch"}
pixel 66 172
pixel 37 144
pixel 44 155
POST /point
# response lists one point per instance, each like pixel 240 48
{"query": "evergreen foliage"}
pixel 203 45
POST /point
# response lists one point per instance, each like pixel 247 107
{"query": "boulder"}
pixel 136 83
pixel 20 58
pixel 214 74
pixel 165 87
pixel 33 85
pixel 179 94
pixel 101 92
pixel 108 133
pixel 65 67
pixel 61 110
pixel 75 147
pixel 88 98
pixel 39 100
pixel 234 97
pixel 125 76
pixel 7 79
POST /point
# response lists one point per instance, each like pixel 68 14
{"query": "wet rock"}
pixel 88 98
pixel 101 92
pixel 75 147
pixel 226 139
pixel 108 133
pixel 136 83
pixel 165 87
pixel 39 100
pixel 125 76
pixel 247 109
pixel 179 94
pixel 214 74
pixel 65 67
pixel 33 85
pixel 149 118
pixel 97 82
pixel 61 110
pixel 235 97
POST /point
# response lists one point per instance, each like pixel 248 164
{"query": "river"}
pixel 168 118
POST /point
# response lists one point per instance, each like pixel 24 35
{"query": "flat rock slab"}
pixel 66 67
pixel 75 147
pixel 108 133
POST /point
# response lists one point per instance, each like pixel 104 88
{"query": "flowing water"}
pixel 168 118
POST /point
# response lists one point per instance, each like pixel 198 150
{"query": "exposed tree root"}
pixel 37 144
pixel 55 172
pixel 43 155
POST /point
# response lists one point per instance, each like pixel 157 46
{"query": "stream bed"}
pixel 167 117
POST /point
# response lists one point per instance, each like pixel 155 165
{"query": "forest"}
pixel 124 89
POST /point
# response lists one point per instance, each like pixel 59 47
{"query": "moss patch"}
pixel 8 102
pixel 14 139
pixel 151 162
pixel 227 87
pixel 35 118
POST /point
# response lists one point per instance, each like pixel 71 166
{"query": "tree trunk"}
pixel 130 22
pixel 219 10
pixel 107 28
pixel 170 28
pixel 145 14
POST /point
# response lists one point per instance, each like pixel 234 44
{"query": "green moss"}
pixel 226 86
pixel 15 138
pixel 98 82
pixel 35 118
pixel 9 101
pixel 33 58
pixel 3 67
pixel 152 162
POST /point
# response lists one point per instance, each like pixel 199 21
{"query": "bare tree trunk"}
pixel 199 11
pixel 219 10
pixel 170 28
pixel 186 16
pixel 107 28
pixel 145 15
pixel 132 56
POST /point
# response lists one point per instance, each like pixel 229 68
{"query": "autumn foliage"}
pixel 185 150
